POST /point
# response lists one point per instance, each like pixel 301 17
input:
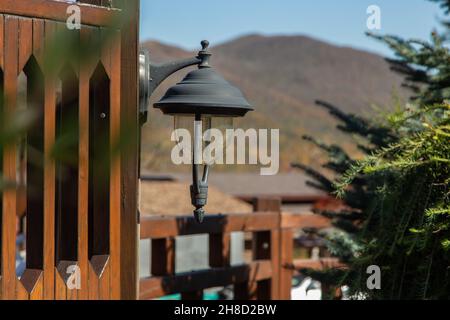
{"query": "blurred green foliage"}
pixel 396 200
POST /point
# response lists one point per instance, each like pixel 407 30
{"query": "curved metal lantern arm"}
pixel 152 75
pixel 160 72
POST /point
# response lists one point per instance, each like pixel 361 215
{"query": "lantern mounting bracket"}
pixel 153 74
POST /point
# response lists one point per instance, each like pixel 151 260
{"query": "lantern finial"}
pixel 204 55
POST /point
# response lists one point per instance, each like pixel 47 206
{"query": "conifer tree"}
pixel 397 198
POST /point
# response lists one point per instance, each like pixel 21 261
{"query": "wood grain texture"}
pixel 219 250
pixel 60 287
pixel 57 11
pixel 286 256
pixel 21 293
pixel 28 29
pixel 115 175
pixel 93 287
pixel 9 161
pixel 130 151
pixel 49 174
pixel 87 37
pixel 38 40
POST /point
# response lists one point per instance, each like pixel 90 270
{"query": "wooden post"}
pixel 163 257
pixel 129 153
pixel 219 250
pixel 265 246
pixel 286 259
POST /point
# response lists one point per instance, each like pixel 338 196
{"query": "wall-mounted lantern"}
pixel 203 96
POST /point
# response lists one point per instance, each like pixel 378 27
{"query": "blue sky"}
pixel 185 22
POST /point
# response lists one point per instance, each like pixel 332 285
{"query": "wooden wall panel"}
pixel 23 34
pixel 57 11
pixel 86 34
pixel 20 38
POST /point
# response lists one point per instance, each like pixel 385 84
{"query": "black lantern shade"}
pixel 204 92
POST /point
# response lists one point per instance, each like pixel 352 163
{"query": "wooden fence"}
pixel 267 276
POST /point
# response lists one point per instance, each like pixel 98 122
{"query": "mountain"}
pixel 282 76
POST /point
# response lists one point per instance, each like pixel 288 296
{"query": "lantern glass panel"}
pixel 187 122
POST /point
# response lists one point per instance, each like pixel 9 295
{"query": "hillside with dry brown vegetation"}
pixel 282 76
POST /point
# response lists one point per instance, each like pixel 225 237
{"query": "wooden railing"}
pixel 81 215
pixel 267 276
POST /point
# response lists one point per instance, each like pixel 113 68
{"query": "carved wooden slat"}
pixel 72 294
pixel 38 291
pixel 38 40
pixel 86 35
pixel 93 284
pixel 104 290
pixel 60 288
pixel 25 42
pixel 115 178
pixel 9 162
pixel 21 293
pixel 49 173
